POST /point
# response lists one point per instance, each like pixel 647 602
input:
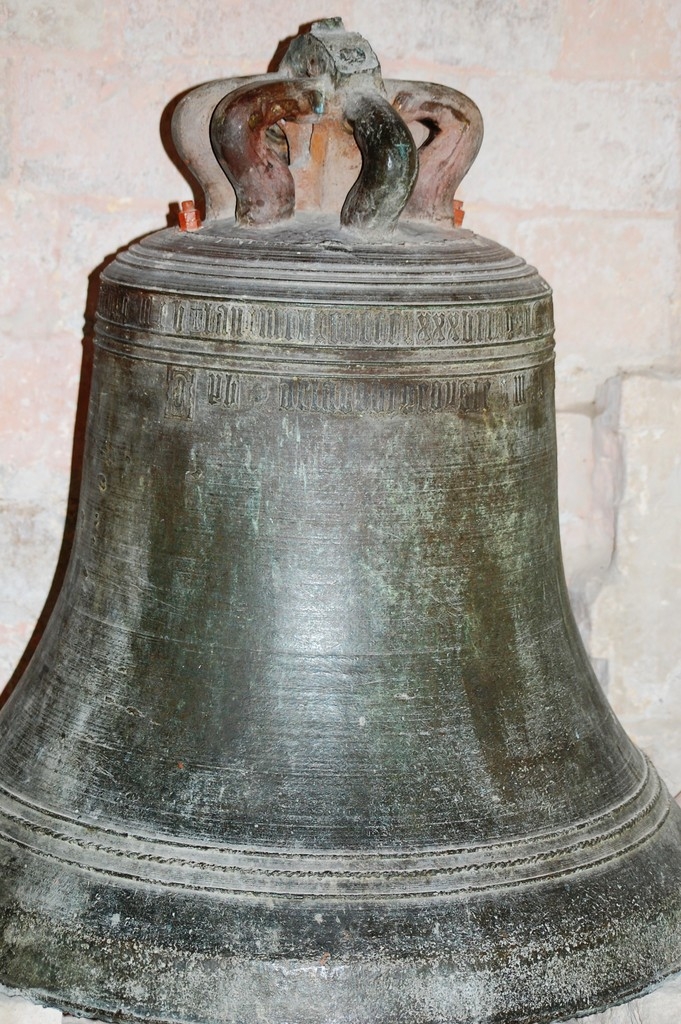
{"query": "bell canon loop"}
pixel 311 735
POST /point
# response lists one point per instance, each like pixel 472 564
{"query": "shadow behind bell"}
pixel 311 735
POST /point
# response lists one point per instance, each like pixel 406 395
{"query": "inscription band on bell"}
pixel 329 325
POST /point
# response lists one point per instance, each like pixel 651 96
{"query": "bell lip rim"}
pixel 92 1013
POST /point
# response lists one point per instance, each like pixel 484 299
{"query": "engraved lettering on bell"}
pixel 519 389
pixel 360 396
pixel 223 388
pixel 180 392
pixel 311 735
pixel 369 325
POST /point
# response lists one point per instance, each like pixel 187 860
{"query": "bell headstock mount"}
pixel 231 134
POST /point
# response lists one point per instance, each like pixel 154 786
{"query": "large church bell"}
pixel 311 736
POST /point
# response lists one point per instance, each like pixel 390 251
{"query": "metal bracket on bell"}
pixel 226 131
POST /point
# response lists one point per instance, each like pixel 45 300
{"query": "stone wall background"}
pixel 580 172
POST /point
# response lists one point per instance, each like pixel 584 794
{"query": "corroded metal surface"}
pixel 311 735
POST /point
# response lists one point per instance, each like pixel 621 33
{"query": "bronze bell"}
pixel 311 736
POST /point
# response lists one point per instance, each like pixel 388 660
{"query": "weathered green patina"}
pixel 311 735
